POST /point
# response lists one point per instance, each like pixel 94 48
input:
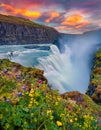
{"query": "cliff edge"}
pixel 94 89
pixel 15 30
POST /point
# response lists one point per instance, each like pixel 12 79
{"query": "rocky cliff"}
pixel 15 30
pixel 94 89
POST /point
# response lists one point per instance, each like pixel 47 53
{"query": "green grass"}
pixel 95 80
pixel 40 108
pixel 98 54
pixel 91 105
pixel 20 21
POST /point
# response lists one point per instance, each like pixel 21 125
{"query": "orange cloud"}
pixel 83 24
pixel 24 12
pixel 73 20
pixel 7 6
pixel 33 14
pixel 53 15
pixel 76 21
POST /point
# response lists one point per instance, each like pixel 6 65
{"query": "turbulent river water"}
pixel 66 71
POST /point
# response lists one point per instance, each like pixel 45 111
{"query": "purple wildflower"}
pixel 7 100
pixel 20 94
pixel 40 81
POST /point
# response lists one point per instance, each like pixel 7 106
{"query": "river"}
pixel 66 71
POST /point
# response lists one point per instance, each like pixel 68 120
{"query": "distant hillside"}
pixel 16 30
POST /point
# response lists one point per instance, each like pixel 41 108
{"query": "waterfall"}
pixel 70 70
pixel 67 64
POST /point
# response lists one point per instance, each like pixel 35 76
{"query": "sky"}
pixel 66 16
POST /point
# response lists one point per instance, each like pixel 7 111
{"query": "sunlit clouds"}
pixel 52 15
pixel 34 15
pixel 23 12
pixel 67 16
pixel 76 21
pixel 73 20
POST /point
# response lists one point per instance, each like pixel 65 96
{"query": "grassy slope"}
pixel 96 72
pixel 95 108
pixel 96 78
pixel 20 21
pixel 40 108
pixel 84 100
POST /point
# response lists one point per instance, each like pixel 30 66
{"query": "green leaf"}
pixel 26 109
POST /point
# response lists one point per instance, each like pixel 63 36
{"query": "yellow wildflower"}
pixel 71 121
pixel 59 123
pixel 30 105
pixel 76 119
pixel 49 112
pixel 23 94
pixel 31 102
pixel 19 84
pixel 68 114
pixel 59 98
pixel 32 85
pixel 32 91
pixel 31 95
pixel 32 99
pixel 47 96
pixel 56 103
pixel 91 118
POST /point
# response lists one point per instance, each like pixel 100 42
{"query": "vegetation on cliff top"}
pixel 20 21
pixel 27 102
pixel 94 89
pixel 84 100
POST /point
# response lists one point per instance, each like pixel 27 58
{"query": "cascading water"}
pixel 70 70
pixel 67 66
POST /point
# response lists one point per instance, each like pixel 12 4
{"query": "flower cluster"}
pixel 28 103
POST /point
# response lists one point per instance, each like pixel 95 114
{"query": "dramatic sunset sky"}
pixel 67 16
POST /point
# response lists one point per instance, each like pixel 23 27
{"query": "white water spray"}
pixel 70 71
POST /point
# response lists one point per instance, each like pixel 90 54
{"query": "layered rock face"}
pixel 15 30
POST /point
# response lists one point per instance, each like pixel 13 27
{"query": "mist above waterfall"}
pixel 70 70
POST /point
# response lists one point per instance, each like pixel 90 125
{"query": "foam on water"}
pixel 66 71
pixel 70 70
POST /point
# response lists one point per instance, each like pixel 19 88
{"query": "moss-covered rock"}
pixel 84 100
pixel 94 89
